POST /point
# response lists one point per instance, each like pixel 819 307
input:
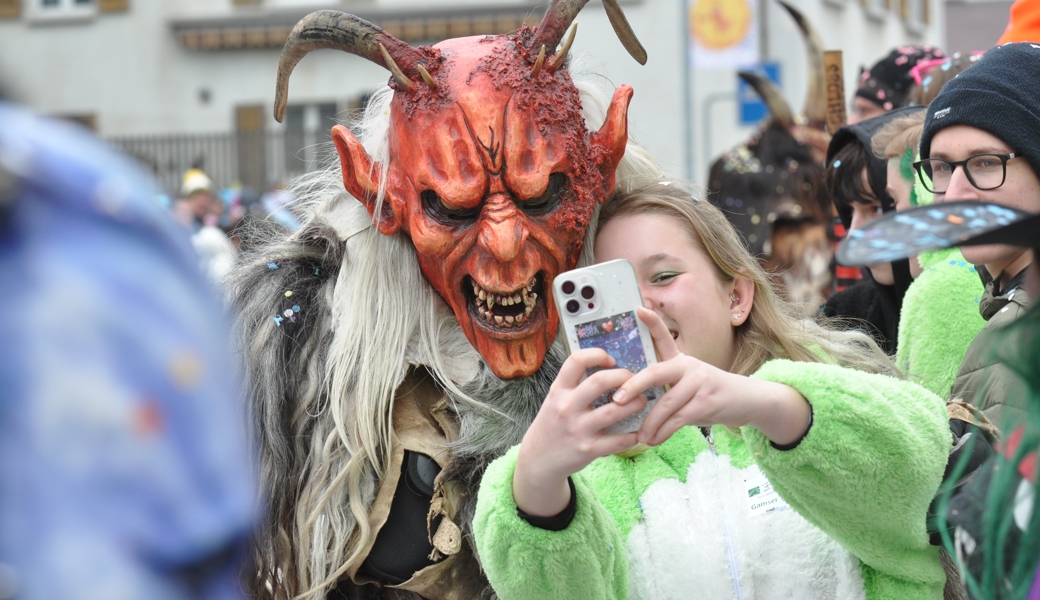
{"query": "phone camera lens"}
pixel 587 292
pixel 567 287
pixel 572 305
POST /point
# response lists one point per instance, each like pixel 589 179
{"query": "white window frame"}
pixel 66 10
pixel 915 14
pixel 876 10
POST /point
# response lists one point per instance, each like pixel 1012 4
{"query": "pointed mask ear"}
pixel 609 142
pixel 358 169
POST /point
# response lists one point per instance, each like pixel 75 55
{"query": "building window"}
pixel 914 13
pixel 61 9
pixel 876 10
pixel 306 127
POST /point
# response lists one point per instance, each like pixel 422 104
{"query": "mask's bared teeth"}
pixel 486 302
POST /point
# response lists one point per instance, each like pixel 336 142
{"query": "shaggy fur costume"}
pixel 939 319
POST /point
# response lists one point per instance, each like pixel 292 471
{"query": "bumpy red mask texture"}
pixel 494 177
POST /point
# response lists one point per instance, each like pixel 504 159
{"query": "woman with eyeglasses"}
pixel 981 141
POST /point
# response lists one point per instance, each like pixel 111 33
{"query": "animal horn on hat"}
pixel 815 99
pixel 560 14
pixel 779 109
pixel 332 29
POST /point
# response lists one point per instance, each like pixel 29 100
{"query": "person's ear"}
pixel 742 298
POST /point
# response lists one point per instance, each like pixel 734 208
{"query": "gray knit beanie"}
pixel 1000 95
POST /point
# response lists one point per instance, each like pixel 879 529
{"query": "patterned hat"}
pixel 888 82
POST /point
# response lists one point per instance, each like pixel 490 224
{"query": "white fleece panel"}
pixel 678 549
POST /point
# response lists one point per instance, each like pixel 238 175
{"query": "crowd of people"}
pixel 362 393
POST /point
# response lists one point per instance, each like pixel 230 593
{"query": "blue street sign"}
pixel 752 109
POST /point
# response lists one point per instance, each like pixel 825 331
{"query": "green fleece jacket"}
pixel 939 319
pixel 842 515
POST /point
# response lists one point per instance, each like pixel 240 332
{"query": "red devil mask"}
pixel 492 173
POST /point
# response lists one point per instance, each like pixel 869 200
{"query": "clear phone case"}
pixel 597 307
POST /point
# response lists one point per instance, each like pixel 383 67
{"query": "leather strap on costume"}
pixel 962 411
pixel 424 424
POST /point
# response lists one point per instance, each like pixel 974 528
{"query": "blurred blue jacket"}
pixel 125 470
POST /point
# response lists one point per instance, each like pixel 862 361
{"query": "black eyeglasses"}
pixel 984 171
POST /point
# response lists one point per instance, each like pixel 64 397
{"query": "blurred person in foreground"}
pixel 987 521
pixel 124 464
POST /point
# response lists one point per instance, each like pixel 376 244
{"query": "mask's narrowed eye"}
pixel 550 199
pixel 444 214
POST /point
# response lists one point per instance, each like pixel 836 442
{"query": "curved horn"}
pixel 427 77
pixel 538 63
pixel 624 31
pixel 396 71
pixel 560 14
pixel 816 96
pixel 779 110
pixel 339 31
pixel 558 58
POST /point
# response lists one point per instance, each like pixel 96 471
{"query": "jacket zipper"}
pixel 731 554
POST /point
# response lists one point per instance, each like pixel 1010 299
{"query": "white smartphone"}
pixel 597 307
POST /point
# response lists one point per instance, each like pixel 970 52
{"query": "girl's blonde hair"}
pixel 773 329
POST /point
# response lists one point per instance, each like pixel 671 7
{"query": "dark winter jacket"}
pixel 871 307
pixel 982 381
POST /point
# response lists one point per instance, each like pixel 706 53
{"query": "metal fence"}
pixel 255 160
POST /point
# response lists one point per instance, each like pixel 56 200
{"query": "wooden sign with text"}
pixel 833 74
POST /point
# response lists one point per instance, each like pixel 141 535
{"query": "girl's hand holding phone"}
pixel 703 395
pixel 567 434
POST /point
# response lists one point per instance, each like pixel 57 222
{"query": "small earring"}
pixel 737 315
pixel 734 298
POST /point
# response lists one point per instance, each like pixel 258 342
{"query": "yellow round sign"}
pixel 719 24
